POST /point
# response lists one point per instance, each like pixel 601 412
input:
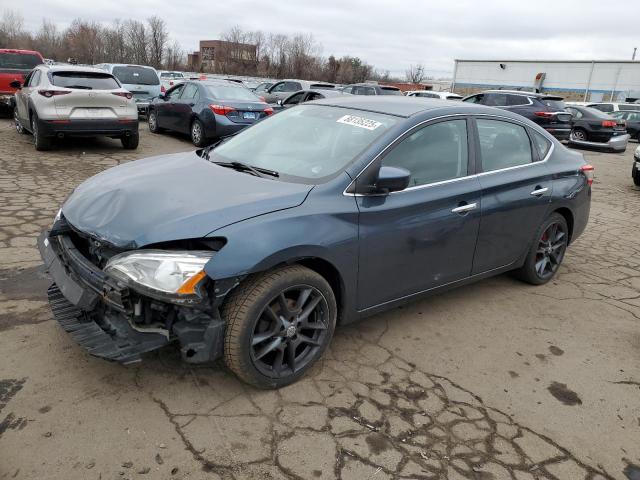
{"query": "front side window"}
pixel 503 145
pixel 175 92
pixel 190 92
pixel 279 87
pixel 434 153
pixel 307 143
pixel 495 99
pixel 84 80
pixel 475 98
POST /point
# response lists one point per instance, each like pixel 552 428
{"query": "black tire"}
pixel 198 136
pixel 635 174
pixel 131 142
pixel 580 134
pixel 260 340
pixel 152 120
pixel 551 249
pixel 41 143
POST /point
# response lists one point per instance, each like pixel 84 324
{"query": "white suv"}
pixel 64 100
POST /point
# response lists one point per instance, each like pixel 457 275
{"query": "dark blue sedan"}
pixel 326 213
pixel 206 110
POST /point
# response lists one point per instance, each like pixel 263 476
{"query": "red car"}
pixel 14 65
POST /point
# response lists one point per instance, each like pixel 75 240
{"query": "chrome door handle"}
pixel 539 191
pixel 465 208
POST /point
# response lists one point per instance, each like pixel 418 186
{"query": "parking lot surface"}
pixel 498 380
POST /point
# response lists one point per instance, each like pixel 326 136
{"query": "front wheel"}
pixel 278 324
pixel 152 119
pixel 635 174
pixel 547 251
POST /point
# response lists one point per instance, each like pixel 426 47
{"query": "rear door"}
pixel 422 237
pixel 516 191
pixel 183 107
pixel 90 96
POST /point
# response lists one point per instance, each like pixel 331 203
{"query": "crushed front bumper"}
pixel 91 307
pixel 617 143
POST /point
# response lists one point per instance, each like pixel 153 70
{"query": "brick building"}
pixel 219 56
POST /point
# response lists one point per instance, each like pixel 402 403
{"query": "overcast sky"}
pixel 389 35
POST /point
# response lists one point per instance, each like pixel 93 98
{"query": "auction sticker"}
pixel 359 122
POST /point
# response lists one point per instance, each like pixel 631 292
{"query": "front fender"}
pixel 261 243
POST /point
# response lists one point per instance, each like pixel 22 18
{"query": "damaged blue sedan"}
pixel 254 249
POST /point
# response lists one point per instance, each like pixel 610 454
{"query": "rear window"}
pixel 171 75
pixel 136 75
pixel 84 80
pixel 232 93
pixel 554 103
pixel 595 113
pixel 627 108
pixel 322 86
pixel 19 61
pixel 390 91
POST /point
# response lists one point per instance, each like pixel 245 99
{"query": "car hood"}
pixel 172 197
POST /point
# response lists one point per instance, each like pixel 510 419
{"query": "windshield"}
pixel 19 61
pixel 307 142
pixel 84 80
pixel 224 92
pixel 136 75
pixel 556 104
pixel 171 75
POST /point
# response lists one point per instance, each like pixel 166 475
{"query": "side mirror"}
pixel 16 84
pixel 392 179
pixel 279 102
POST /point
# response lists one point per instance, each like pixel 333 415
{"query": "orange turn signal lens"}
pixel 189 287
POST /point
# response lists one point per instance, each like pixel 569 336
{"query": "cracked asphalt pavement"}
pixel 497 380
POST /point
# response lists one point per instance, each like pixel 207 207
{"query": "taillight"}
pixel 170 83
pixel 162 89
pixel 221 109
pixel 53 93
pixel 268 111
pixel 126 95
pixel 609 123
pixel 262 99
pixel 588 171
pixel 544 114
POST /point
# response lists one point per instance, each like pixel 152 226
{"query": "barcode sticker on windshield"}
pixel 359 122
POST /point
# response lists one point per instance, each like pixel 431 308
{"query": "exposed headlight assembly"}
pixel 161 273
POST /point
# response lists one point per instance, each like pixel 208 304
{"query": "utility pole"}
pixel 633 57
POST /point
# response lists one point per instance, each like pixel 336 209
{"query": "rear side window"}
pixel 19 61
pixel 628 108
pixel 603 107
pixel 503 145
pixel 84 80
pixel 542 144
pixel 136 75
pixel 433 154
pixel 515 100
pixel 495 99
pixel 554 104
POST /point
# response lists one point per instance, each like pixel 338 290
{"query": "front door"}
pixel 183 108
pixel 165 109
pixel 424 236
pixel 516 191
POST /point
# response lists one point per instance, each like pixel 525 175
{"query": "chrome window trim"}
pixel 442 182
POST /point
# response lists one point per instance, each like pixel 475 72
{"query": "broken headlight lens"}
pixel 172 272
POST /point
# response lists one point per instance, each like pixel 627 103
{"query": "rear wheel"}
pixel 131 142
pixel 42 143
pixel 579 134
pixel 197 134
pixel 278 324
pixel 635 174
pixel 547 251
pixel 152 119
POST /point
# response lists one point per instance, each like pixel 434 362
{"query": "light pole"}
pixel 633 57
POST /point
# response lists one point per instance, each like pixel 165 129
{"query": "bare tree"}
pixel 415 73
pixel 49 41
pixel 12 33
pixel 158 37
pixel 174 58
pixel 84 41
pixel 136 40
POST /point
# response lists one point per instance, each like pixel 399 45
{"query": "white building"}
pixel 597 80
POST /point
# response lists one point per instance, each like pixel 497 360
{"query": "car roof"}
pixel 218 83
pixel 325 92
pixel 74 68
pixel 401 106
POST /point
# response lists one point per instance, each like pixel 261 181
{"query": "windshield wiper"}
pixel 257 171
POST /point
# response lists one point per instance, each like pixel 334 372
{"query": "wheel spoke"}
pixel 272 315
pixel 262 337
pixel 291 356
pixel 277 363
pixel 269 347
pixel 557 246
pixel 312 325
pixel 310 308
pixel 302 299
pixel 541 265
pixel 284 306
pixel 309 340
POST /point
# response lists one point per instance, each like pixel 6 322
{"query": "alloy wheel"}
pixel 152 122
pixel 289 331
pixel 579 135
pixel 196 133
pixel 551 248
